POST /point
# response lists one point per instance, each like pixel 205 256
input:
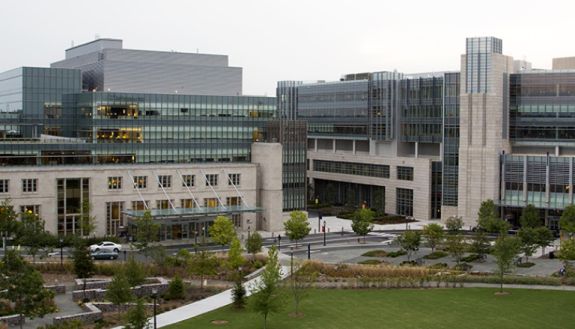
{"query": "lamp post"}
pixel 196 237
pixel 291 260
pixel 279 242
pixel 155 296
pixel 324 233
pixel 249 232
pixel 61 252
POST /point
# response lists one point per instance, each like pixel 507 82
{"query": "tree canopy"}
pixel 567 221
pixel 297 227
pixel 433 234
pixel 222 231
pixel 530 217
pixel 362 220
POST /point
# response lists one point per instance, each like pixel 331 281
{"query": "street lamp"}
pixel 249 232
pixel 291 259
pixel 324 233
pixel 155 296
pixel 279 242
pixel 61 252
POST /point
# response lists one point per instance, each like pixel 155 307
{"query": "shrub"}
pixel 471 258
pixel 462 267
pixel 375 253
pixel 72 324
pixel 408 263
pixel 370 262
pixel 394 254
pixel 435 255
pixel 526 264
pixel 176 289
pixel 439 266
pixel 239 295
pixel 362 271
pixel 135 272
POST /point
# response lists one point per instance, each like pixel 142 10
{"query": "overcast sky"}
pixel 292 39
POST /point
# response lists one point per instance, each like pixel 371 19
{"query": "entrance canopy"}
pixel 175 213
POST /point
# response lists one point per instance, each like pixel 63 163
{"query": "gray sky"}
pixel 292 39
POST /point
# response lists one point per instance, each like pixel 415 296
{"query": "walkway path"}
pixel 66 306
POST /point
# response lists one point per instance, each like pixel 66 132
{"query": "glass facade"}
pixel 350 194
pixel 421 109
pixel 352 168
pixel 542 108
pixel 478 62
pixel 404 201
pixel 450 139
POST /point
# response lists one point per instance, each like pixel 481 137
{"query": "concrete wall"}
pixel 46 195
pixel 563 63
pixel 483 117
pixel 421 184
pixel 268 157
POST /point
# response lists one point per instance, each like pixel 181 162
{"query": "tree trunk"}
pixel 501 282
pixel 21 320
pixel 265 320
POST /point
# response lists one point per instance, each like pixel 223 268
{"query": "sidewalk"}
pixel 66 306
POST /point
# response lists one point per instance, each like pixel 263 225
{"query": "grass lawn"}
pixel 405 308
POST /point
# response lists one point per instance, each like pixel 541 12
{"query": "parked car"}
pixel 104 254
pixel 106 245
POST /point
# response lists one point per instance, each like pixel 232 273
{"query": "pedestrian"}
pixel 562 271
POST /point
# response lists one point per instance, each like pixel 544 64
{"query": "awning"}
pixel 191 212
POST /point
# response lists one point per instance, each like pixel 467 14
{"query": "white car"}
pixel 106 245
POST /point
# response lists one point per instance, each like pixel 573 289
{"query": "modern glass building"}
pixel 186 158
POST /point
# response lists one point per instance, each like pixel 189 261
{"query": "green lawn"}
pixel 433 308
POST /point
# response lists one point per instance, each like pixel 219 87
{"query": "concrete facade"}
pixel 564 63
pixel 268 157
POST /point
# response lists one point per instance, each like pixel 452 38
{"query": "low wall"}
pixel 99 294
pixel 92 313
pixel 12 320
pixel 58 289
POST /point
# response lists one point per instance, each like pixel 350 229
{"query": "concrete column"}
pixel 557 150
pixel 315 145
pixel 503 179
pixel 268 156
pixel 333 144
pixel 353 146
pixel 416 150
pixel 547 185
pixel 571 180
pixel 524 178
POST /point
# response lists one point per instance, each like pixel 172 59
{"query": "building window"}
pixel 115 183
pixel 237 220
pixel 29 185
pixel 4 185
pixel 234 179
pixel 211 202
pixel 404 201
pixel 72 193
pixel 188 181
pixel 212 179
pixel 114 217
pixel 163 204
pixel 140 205
pixel 188 203
pixel 233 201
pixel 31 209
pixel 165 181
pixel 140 182
pixel 352 168
pixel 404 173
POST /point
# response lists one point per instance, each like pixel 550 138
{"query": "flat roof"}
pixel 192 212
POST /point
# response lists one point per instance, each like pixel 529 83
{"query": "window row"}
pixel 165 181
pixel 29 185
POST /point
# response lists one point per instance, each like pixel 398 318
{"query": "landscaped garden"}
pixel 409 308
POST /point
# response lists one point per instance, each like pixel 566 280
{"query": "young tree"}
pixel 434 235
pixel 567 250
pixel 505 251
pixel 362 220
pixel 530 217
pixel 297 227
pixel 456 247
pixel 222 231
pixel 480 244
pixel 135 272
pixel 23 285
pixel 83 264
pixel 31 233
pixel 528 238
pixel 119 291
pixel 543 238
pixel 203 263
pixel 87 221
pixel 235 258
pixel 488 219
pixel 454 224
pixel 137 316
pixel 254 244
pixel 239 292
pixel 567 220
pixel 176 289
pixel 146 232
pixel 300 283
pixel 9 224
pixel 267 297
pixel 409 241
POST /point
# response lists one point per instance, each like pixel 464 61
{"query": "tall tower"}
pixel 483 123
